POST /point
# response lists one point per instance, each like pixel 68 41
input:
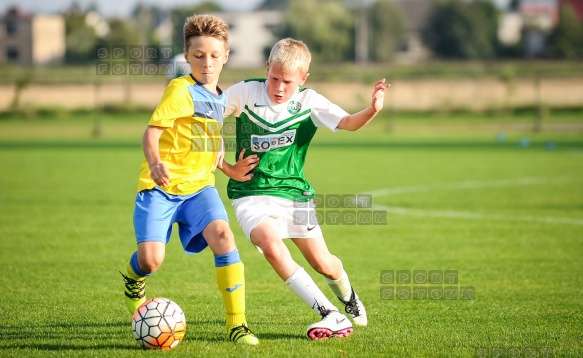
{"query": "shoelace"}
pixel 135 287
pixel 323 311
pixel 351 306
pixel 239 331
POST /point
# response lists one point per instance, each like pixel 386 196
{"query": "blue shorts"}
pixel 156 211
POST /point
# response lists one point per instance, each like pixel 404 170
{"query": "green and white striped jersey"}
pixel 280 135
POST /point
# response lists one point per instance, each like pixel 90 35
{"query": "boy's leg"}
pixel 135 285
pixel 230 280
pixel 153 215
pixel 333 323
pixel 266 237
pixel 143 262
pixel 352 303
pixel 316 253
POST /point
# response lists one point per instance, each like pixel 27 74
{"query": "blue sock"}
pixel 227 259
pixel 135 267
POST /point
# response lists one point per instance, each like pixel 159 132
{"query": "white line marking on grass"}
pixel 473 185
pixel 477 216
pixel 468 185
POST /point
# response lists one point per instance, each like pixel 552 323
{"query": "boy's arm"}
pixel 358 120
pixel 240 171
pixel 220 155
pixel 158 170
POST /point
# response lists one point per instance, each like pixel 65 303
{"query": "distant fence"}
pixel 406 95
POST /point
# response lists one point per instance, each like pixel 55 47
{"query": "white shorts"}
pixel 295 220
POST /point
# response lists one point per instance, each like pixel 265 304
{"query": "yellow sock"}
pixel 231 282
pixel 131 273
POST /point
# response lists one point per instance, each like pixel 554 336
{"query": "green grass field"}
pixel 507 218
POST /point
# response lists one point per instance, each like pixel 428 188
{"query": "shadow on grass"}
pixel 214 331
pixel 112 336
pixel 68 347
pixel 373 144
pixel 51 337
pixel 69 145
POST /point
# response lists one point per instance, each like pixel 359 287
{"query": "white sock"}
pixel 341 287
pixel 302 285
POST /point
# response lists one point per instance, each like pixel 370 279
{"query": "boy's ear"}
pixel 227 56
pixel 186 55
pixel 266 67
pixel 304 78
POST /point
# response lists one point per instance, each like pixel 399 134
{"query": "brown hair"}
pixel 205 25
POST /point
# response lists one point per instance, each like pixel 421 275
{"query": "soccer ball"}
pixel 159 323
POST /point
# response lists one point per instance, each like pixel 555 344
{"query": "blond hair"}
pixel 290 55
pixel 205 25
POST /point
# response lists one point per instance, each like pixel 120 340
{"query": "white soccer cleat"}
pixel 333 324
pixel 355 309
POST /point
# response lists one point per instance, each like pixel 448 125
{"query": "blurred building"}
pixel 32 39
pixel 510 28
pixel 417 13
pixel 250 36
pixel 540 14
pixel 576 5
pixel 540 17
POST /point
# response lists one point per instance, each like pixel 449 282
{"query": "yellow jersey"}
pixel 192 117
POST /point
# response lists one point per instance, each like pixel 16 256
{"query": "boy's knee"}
pixel 221 231
pixel 150 265
pixel 329 266
pixel 150 256
pixel 269 249
pixel 272 249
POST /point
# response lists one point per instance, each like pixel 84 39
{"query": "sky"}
pixel 123 8
pixel 120 8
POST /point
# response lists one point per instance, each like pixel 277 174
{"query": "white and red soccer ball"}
pixel 159 323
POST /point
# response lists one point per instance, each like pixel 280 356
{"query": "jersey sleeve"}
pixel 175 103
pixel 325 113
pixel 235 99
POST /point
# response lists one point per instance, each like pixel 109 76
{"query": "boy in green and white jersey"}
pixel 276 120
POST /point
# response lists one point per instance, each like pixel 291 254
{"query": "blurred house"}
pixel 540 14
pixel 32 39
pixel 576 5
pixel 510 28
pixel 417 13
pixel 250 34
pixel 540 17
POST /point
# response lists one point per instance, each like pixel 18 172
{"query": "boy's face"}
pixel 281 85
pixel 206 56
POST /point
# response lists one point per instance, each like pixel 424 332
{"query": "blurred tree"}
pixel 387 30
pixel 81 39
pixel 458 29
pixel 566 40
pixel 514 5
pixel 151 22
pixel 326 26
pixel 122 32
pixel 274 5
pixel 180 14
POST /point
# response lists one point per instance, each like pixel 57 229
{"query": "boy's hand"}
pixel 219 160
pixel 243 166
pixel 378 96
pixel 160 174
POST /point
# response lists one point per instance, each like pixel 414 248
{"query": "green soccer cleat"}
pixel 242 334
pixel 135 291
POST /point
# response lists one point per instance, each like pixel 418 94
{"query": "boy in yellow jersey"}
pixel 176 183
pixel 276 121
